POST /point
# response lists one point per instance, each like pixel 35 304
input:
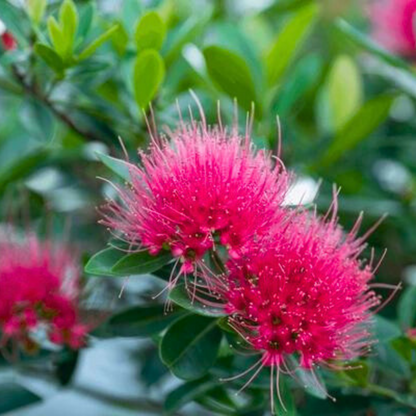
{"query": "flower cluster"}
pixel 393 25
pixel 39 289
pixel 201 188
pixel 291 282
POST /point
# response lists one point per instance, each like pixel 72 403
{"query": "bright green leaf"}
pixel 407 309
pixel 181 297
pixel 68 18
pixel 102 262
pixel 148 75
pixel 93 46
pixel 345 91
pixel 141 263
pixel 141 321
pixel 14 396
pixel 232 75
pixel 360 126
pixel 86 18
pixel 36 10
pixel 190 346
pixel 289 41
pixel 56 36
pixel 118 166
pixel 150 32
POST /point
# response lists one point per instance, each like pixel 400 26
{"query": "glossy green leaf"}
pixel 289 41
pixel 345 91
pixel 102 262
pixel 407 308
pixel 186 393
pixel 361 125
pixel 120 167
pixel 232 75
pixel 181 297
pixel 190 346
pixel 141 321
pixel 385 330
pixel 287 404
pixel 36 10
pixel 150 32
pixel 14 396
pixel 93 46
pixel 141 263
pixel 51 58
pixel 15 21
pixel 148 75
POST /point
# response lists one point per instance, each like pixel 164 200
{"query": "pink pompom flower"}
pixel 202 187
pixel 39 289
pixel 393 24
pixel 300 297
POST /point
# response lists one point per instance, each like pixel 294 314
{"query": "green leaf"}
pixel 15 20
pixel 181 297
pixel 51 58
pixel 148 75
pixel 93 46
pixel 118 166
pixel 385 330
pixel 141 321
pixel 190 346
pixel 360 126
pixel 102 262
pixel 289 41
pixel 56 36
pixel 407 309
pixel 36 10
pixel 14 396
pixel 186 393
pixel 68 18
pixel 141 263
pixel 345 91
pixel 232 75
pixel 150 32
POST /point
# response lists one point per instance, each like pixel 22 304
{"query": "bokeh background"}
pixel 346 107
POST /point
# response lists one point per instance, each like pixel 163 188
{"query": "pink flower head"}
pixel 9 42
pixel 204 186
pixel 394 26
pixel 302 295
pixel 39 288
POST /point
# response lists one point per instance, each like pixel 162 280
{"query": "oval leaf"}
pixel 150 32
pixel 232 75
pixel 407 309
pixel 190 346
pixel 102 262
pixel 141 263
pixel 149 71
